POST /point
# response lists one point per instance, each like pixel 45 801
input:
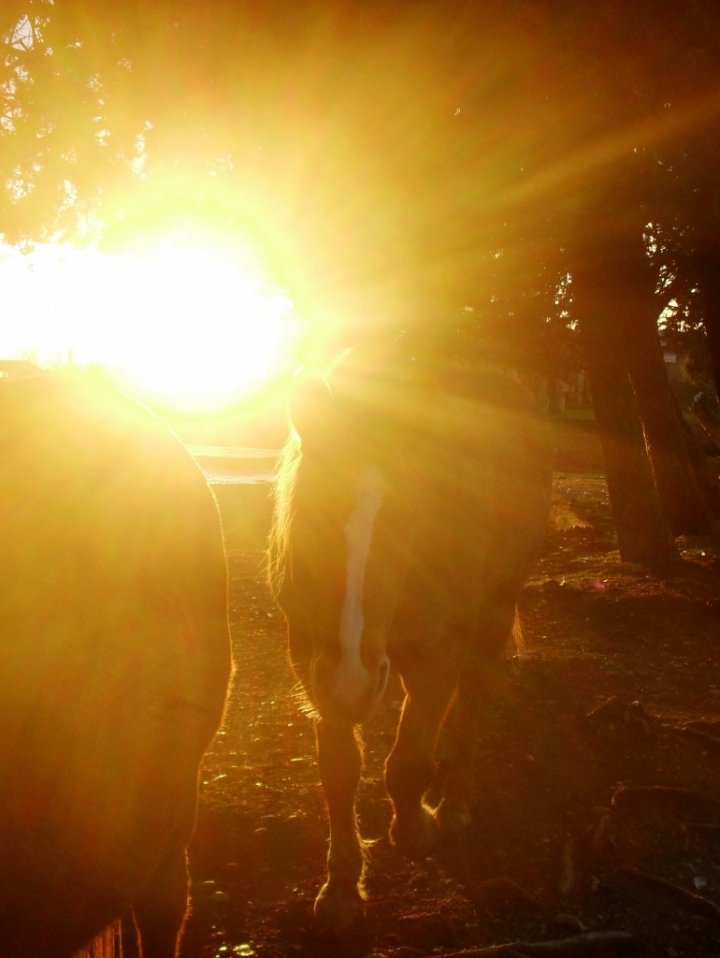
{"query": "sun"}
pixel 192 326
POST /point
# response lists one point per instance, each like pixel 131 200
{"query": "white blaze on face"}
pixel 352 678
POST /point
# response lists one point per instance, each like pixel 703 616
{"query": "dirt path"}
pixel 546 776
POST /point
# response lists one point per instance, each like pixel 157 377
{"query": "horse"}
pixel 409 507
pixel 114 666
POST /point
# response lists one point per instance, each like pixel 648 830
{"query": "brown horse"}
pixel 114 663
pixel 409 510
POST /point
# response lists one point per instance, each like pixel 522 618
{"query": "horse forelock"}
pixel 337 463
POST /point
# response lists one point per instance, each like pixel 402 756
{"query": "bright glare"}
pixel 188 325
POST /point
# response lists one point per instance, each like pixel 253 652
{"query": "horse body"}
pixel 407 520
pixel 114 663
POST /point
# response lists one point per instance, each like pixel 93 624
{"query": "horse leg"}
pixel 410 767
pixel 463 725
pixel 168 799
pixel 159 910
pixel 341 899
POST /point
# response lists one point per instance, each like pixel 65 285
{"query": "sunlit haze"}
pixel 187 325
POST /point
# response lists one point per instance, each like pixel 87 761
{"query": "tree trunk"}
pixel 642 529
pixel 708 273
pixel 682 498
pixel 704 475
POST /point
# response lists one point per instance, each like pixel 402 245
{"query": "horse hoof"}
pixel 337 909
pixel 415 837
pixel 452 817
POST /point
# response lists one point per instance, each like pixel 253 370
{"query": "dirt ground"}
pixel 619 660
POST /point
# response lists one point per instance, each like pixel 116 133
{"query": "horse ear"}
pixel 308 405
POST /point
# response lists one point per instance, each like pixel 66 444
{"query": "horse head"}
pixel 345 549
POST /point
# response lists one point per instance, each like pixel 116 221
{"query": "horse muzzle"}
pixel 349 689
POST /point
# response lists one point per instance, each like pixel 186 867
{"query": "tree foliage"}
pixel 402 160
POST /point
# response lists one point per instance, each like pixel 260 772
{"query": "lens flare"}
pixel 186 325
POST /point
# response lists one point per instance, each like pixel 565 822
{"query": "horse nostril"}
pixel 349 688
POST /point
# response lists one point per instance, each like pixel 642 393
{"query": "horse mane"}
pixel 278 551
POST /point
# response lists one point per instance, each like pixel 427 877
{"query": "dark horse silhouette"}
pixel 114 663
pixel 409 509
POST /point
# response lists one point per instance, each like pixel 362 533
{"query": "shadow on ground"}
pixel 619 660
